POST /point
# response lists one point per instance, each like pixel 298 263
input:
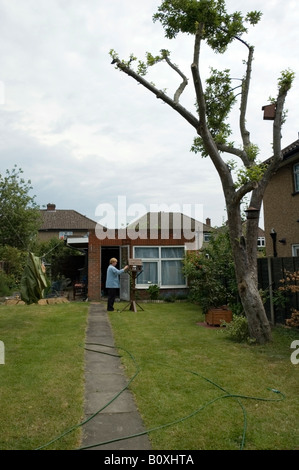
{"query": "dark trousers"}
pixel 112 292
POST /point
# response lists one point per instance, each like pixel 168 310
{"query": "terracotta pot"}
pixel 215 316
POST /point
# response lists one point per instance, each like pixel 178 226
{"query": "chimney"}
pixel 51 207
pixel 208 222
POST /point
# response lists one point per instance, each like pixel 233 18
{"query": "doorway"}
pixel 107 252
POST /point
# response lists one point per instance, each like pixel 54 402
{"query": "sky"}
pixel 89 138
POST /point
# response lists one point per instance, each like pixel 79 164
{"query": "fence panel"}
pixel 278 267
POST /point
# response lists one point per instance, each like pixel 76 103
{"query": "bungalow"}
pixel 158 239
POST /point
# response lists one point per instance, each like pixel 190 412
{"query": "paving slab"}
pixel 113 420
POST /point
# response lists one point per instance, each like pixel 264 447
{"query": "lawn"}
pixel 188 374
pixel 42 380
pixel 195 388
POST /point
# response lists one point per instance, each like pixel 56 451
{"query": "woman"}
pixel 112 282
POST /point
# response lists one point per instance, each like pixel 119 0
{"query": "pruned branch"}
pixel 184 83
pixel 159 94
pixel 244 100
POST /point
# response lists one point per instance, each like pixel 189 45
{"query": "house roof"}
pixel 287 152
pixel 53 219
pixel 290 150
pixel 168 220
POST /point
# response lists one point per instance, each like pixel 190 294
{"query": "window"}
pixel 161 265
pixel 261 242
pixel 296 177
pixel 62 235
pixel 295 250
pixel 207 236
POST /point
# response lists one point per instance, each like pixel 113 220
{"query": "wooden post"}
pixel 271 291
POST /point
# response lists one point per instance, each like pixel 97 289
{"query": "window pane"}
pixel 149 274
pixel 146 252
pixel 172 252
pixel 296 177
pixel 172 273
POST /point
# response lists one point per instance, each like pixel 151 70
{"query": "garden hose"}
pixel 225 395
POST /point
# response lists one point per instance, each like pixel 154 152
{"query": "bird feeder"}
pixel 135 269
pixel 269 111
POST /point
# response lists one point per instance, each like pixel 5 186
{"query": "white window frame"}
pixel 296 179
pixel 261 242
pixel 295 250
pixel 159 261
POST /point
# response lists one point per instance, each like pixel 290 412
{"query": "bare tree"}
pixel 209 22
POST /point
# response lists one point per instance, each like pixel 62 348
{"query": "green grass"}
pixel 42 380
pixel 184 370
pixel 184 366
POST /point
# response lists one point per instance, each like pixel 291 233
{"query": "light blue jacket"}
pixel 112 280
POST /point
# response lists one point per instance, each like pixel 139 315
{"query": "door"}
pixel 124 291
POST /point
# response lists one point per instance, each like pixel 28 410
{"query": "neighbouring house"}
pixel 261 239
pixel 61 223
pixel 159 239
pixel 65 224
pixel 281 206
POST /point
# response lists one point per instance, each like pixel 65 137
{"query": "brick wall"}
pixel 94 268
pixel 281 212
pixel 94 255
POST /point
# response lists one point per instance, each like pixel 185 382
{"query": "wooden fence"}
pixel 270 273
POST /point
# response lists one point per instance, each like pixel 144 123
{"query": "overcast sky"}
pixel 87 135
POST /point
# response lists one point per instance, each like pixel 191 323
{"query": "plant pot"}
pixel 215 316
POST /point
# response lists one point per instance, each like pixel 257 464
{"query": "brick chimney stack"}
pixel 51 207
pixel 208 222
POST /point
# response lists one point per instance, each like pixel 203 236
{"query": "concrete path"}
pixel 104 380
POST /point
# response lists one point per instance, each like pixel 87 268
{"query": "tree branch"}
pixel 244 100
pixel 159 94
pixel 234 151
pixel 184 83
pixel 196 76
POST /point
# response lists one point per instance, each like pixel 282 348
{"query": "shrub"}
pixel 7 284
pixel 237 329
pixel 294 320
pixel 154 291
pixel 169 297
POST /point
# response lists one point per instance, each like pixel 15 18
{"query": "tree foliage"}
pixel 19 214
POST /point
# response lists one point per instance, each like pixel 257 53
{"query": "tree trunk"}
pixel 258 324
pixel 244 252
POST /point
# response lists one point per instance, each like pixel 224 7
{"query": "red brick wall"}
pixel 94 256
pixel 94 268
